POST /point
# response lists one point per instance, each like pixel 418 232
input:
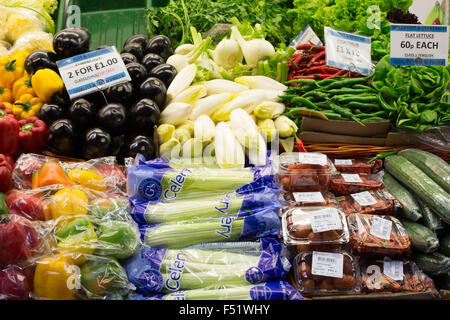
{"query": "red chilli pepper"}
pixel 300 145
pixel 32 134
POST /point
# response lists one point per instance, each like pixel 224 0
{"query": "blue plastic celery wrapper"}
pixel 156 180
pixel 277 290
pixel 220 229
pixel 211 205
pixel 154 270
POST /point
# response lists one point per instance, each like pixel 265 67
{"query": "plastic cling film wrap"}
pixel 158 181
pixel 348 183
pixel 154 270
pixel 220 229
pixel 280 290
pixel 210 205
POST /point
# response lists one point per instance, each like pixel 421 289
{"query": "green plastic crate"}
pixel 109 22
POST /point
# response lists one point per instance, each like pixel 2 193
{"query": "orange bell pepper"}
pixel 49 174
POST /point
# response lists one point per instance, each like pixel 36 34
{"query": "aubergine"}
pixel 82 112
pixel 137 72
pixel 112 117
pixel 97 98
pixel 121 93
pixel 140 39
pixel 161 45
pixel 41 59
pixel 151 60
pixel 144 115
pixel 135 49
pixel 49 113
pixel 62 137
pixel 71 42
pixel 128 58
pixel 97 143
pixel 154 89
pixel 164 72
pixel 140 144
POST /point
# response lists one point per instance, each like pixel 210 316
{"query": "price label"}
pixel 327 264
pixel 350 177
pixel 381 228
pixel 312 158
pixel 307 35
pixel 325 220
pixel 348 51
pixel 308 197
pixel 92 71
pixel 421 45
pixel 393 269
pixel 343 162
pixel 364 198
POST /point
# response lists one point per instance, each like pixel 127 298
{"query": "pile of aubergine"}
pixel 118 121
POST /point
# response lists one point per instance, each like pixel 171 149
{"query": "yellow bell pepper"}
pixel 46 83
pixel 19 57
pixel 7 71
pixel 5 94
pixel 56 278
pixel 27 106
pixel 77 238
pixel 88 179
pixel 68 202
pixel 21 87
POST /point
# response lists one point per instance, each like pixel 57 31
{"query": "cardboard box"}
pixel 346 128
pixel 320 137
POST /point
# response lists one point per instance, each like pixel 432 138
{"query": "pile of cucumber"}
pixel 421 182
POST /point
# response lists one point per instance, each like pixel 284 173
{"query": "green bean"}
pixel 360 105
pixel 332 115
pixel 288 96
pixel 361 86
pixel 371 115
pixel 374 119
pixel 356 98
pixel 317 94
pixel 308 81
pixel 348 82
pixel 384 104
pixel 345 112
pixel 325 82
pixel 305 102
pixel 344 91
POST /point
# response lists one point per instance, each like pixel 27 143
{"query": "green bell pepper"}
pixel 118 239
pixel 3 207
pixel 109 209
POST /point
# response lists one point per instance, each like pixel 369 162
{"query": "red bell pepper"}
pixel 9 135
pixel 32 134
pixel 4 111
pixel 6 168
pixel 15 284
pixel 18 240
pixel 25 205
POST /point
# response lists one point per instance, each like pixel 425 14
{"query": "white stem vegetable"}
pixel 285 126
pixel 192 148
pixel 176 113
pixel 269 110
pixel 260 82
pixel 204 129
pixel 191 95
pixel 182 81
pixel 165 132
pixel 267 129
pixel 184 49
pixel 253 50
pixel 221 86
pixel 182 135
pixel 170 149
pixel 229 152
pixel 227 53
pixel 246 132
pixel 209 104
pixel 250 98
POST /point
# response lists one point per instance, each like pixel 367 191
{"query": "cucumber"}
pixel 430 219
pixel 433 263
pixel 435 167
pixel 422 238
pixel 444 245
pixel 410 208
pixel 422 185
pixel 443 281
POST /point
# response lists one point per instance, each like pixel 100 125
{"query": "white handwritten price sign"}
pixel 92 71
pixel 421 45
pixel 348 51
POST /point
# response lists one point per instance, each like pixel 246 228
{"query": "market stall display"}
pixel 174 165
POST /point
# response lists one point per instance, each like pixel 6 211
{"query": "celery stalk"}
pixel 203 279
pixel 213 257
pixel 236 293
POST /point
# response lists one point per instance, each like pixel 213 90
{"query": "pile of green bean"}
pixel 330 99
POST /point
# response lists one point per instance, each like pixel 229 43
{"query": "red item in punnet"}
pixel 18 240
pixel 303 199
pixel 25 205
pixel 379 202
pixel 358 165
pixel 32 134
pixel 6 168
pixel 15 284
pixel 348 183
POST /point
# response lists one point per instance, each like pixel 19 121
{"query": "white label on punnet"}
pixel 327 264
pixel 350 177
pixel 92 71
pixel 343 162
pixel 325 220
pixel 312 158
pixel 393 269
pixel 381 228
pixel 364 198
pixel 308 197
